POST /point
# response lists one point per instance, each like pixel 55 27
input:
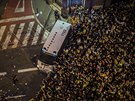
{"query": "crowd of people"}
pixel 97 62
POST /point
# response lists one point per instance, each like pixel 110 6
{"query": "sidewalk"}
pixel 43 14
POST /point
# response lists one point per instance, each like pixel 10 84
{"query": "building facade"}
pixel 86 3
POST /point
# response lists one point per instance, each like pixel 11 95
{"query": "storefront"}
pixel 67 3
pixel 72 2
pixel 86 3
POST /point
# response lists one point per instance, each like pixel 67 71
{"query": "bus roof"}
pixel 56 37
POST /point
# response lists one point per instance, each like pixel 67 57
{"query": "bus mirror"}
pixel 54 53
pixel 44 50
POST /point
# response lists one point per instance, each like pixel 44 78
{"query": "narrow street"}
pixel 21 37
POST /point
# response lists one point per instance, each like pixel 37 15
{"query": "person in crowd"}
pixel 14 79
pixel 97 63
pixel 57 15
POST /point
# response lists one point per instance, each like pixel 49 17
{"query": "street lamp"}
pixel 38 13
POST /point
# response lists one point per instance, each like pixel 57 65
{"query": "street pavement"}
pixel 18 26
pixel 21 37
pixel 24 27
pixel 18 62
pixel 2 6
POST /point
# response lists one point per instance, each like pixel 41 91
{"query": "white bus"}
pixel 55 42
